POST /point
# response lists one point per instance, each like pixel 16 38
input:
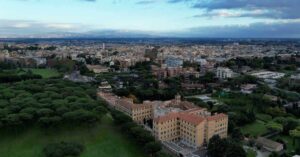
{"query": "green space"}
pixel 101 140
pixel 45 73
pixel 255 129
pixel 256 115
pixel 264 117
pixel 288 140
pixel 251 153
pixel 141 84
pixel 15 75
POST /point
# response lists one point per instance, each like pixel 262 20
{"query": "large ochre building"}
pixel 191 129
pixel 173 120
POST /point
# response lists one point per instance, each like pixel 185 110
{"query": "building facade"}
pixel 192 130
pixel 174 120
pixel 224 73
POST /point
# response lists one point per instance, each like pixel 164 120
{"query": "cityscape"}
pixel 149 78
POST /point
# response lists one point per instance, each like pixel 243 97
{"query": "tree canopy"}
pixel 48 103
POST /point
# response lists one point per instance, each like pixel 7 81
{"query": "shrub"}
pixel 63 149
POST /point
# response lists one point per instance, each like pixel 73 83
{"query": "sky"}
pixel 172 18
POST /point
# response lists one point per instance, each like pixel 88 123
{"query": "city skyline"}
pixel 150 18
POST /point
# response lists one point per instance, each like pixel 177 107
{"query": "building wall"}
pixel 167 131
pixel 224 73
pixel 200 134
pixel 194 128
pixel 123 109
pixel 141 113
pixel 189 133
pixel 217 127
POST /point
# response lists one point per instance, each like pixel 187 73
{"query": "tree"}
pixel 237 134
pixel 13 120
pixel 120 118
pixel 217 146
pixel 45 112
pixel 295 134
pixel 152 147
pixel 274 154
pixel 49 121
pixel 234 150
pixel 80 116
pixel 162 154
pixel 25 103
pixel 275 111
pixel 209 77
pixel 288 123
pixel 100 110
pixel 210 104
pixel 274 126
pixel 63 149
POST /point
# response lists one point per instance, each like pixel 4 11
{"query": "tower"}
pixel 177 99
pixel 103 46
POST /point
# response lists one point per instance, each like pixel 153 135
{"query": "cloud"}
pixel 273 9
pixel 178 1
pixel 60 26
pixel 74 0
pixel 284 29
pixel 24 27
pixel 89 0
pixel 144 2
pixel 257 13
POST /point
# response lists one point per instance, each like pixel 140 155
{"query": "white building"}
pixel 224 73
pixel 268 75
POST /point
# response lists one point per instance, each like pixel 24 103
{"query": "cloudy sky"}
pixel 174 18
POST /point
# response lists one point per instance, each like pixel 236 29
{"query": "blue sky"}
pixel 184 18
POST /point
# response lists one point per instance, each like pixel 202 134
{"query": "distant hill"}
pixel 90 34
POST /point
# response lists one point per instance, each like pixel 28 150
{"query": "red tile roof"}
pixel 194 119
pixel 191 118
pixel 128 104
pixel 165 118
pixel 216 117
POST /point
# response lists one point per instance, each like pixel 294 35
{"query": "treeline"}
pixel 271 63
pixel 7 65
pixel 8 77
pixel 138 134
pixel 48 103
pixel 34 47
pixel 63 149
pixel 142 84
pixel 67 65
pixel 218 147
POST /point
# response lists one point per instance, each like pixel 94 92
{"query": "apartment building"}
pixel 224 73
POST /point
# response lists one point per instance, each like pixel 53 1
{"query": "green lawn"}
pixel 103 140
pixel 46 73
pixel 251 153
pixel 255 129
pixel 264 117
pixel 289 142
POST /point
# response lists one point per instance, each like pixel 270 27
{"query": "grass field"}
pixel 289 142
pixel 102 140
pixel 46 73
pixel 251 153
pixel 255 129
pixel 263 117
